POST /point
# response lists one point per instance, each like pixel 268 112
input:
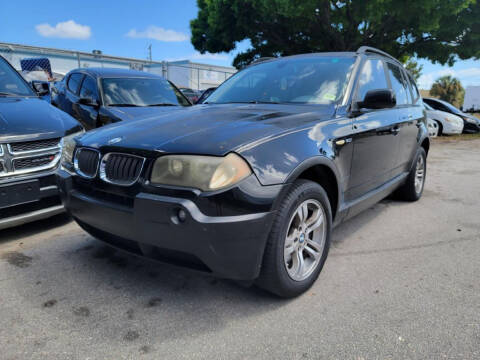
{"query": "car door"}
pixel 374 136
pixel 88 113
pixel 403 116
pixel 73 83
pixel 410 125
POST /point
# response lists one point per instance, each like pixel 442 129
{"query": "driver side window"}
pixel 372 77
pixel 89 88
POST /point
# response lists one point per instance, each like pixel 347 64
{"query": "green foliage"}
pixel 414 68
pixel 449 89
pixel 439 30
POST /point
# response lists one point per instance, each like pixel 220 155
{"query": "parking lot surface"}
pixel 401 281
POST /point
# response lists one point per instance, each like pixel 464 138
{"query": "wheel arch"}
pixel 322 171
pixel 425 144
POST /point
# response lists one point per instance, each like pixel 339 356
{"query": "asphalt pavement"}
pixel 402 281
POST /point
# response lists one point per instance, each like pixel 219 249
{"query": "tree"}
pixel 438 30
pixel 449 89
pixel 414 68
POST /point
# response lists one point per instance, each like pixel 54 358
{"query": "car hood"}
pixel 441 115
pixel 207 129
pixel 24 119
pixel 133 113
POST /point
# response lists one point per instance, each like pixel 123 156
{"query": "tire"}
pixel 280 273
pixel 409 191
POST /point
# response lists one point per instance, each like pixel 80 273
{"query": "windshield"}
pixel 11 82
pixel 452 108
pixel 428 107
pixel 141 92
pixel 311 80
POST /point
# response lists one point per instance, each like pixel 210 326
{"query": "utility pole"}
pixel 150 52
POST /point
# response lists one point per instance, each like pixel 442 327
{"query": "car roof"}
pixel 116 72
pixel 362 51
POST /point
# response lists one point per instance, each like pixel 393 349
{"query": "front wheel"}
pixel 413 188
pixel 298 244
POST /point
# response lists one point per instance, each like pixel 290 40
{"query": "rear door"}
pixel 374 136
pixel 408 114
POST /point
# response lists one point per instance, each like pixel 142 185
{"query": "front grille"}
pixel 27 157
pixel 86 162
pixel 38 145
pixel 33 162
pixel 121 169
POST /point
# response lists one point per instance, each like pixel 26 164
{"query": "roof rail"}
pixel 262 59
pixel 366 49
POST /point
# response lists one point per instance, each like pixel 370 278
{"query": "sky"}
pixel 127 28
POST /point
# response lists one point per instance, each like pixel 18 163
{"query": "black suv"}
pixel 249 185
pixel 31 132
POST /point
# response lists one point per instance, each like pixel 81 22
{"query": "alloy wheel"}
pixel 419 174
pixel 305 240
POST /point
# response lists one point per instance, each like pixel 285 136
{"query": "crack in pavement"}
pixel 404 248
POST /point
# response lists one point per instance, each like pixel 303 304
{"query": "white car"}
pixel 448 124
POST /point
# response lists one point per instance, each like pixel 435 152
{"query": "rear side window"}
pixel 372 77
pixel 74 82
pixel 89 88
pixel 398 84
pixel 415 92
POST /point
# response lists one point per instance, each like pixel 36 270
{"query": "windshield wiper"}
pixel 262 102
pixel 125 105
pixel 162 104
pixel 245 102
pixel 9 94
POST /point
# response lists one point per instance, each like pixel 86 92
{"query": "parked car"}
pixel 205 95
pixel 31 132
pixel 470 123
pixel 446 123
pixel 191 94
pixel 250 186
pixel 100 96
pixel 432 128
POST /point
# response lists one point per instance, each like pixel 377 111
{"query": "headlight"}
pixel 202 172
pixel 68 146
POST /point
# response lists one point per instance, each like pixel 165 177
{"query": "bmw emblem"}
pixel 301 239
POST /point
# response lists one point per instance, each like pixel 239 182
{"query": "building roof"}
pixel 116 72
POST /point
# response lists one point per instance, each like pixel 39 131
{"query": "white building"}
pixel 472 98
pixel 181 73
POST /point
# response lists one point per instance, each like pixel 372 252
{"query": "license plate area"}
pixel 19 193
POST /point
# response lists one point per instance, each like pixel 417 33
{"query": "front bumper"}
pixel 452 128
pixel 46 205
pixel 227 246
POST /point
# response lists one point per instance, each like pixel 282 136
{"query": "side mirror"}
pixel 378 99
pixel 88 101
pixel 42 88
